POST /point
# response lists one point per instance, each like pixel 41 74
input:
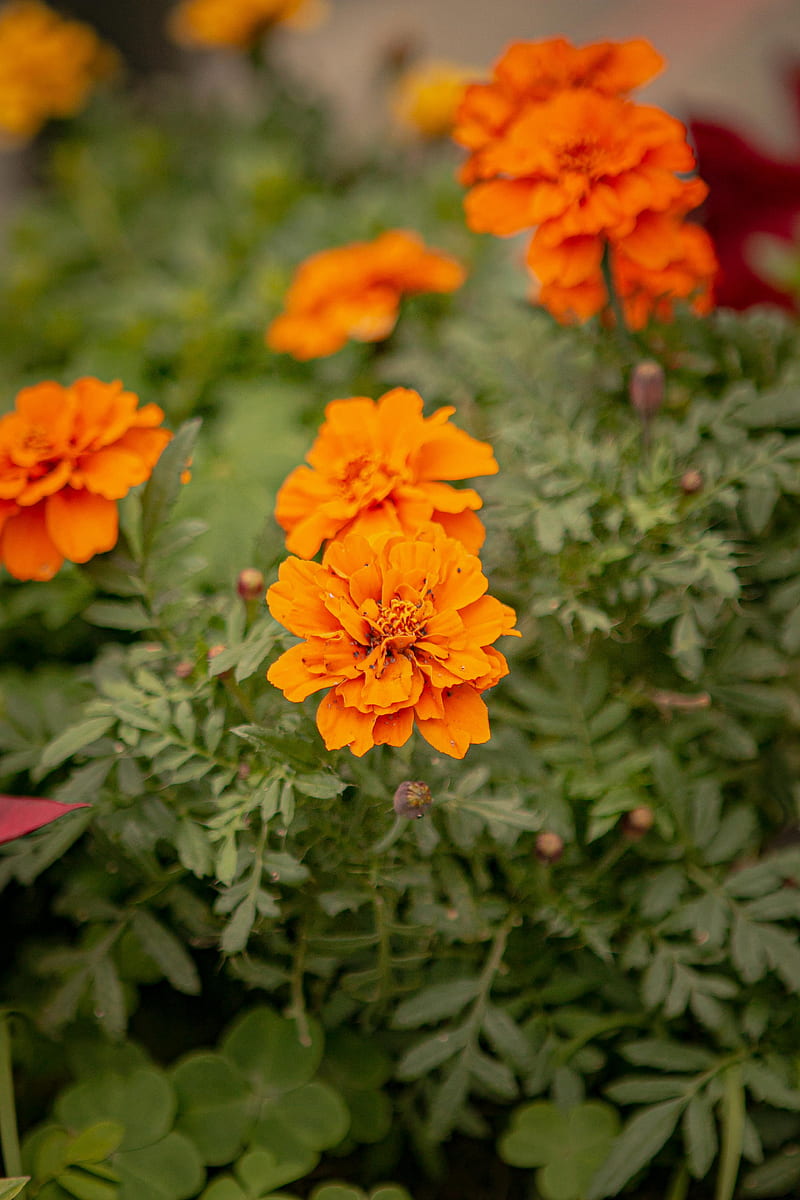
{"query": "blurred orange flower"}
pixel 401 632
pixel 238 23
pixel 378 466
pixel 427 96
pixel 48 66
pixel 354 291
pixel 581 163
pixel 67 454
pixel 684 271
pixel 529 73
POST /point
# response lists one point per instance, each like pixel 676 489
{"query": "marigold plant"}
pixel 379 465
pixel 67 454
pixel 354 292
pixel 48 66
pixel 400 631
pixel 237 24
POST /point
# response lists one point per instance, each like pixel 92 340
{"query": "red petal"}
pixel 23 814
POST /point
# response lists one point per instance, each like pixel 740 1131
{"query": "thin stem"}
pixel 297 1008
pixel 9 1137
pixel 614 301
pixel 679 1185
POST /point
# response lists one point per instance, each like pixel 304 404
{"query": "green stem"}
pixel 679 1185
pixel 615 304
pixel 9 1137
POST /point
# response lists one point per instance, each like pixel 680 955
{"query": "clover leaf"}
pixel 567 1147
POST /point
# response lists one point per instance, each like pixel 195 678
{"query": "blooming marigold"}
pixel 582 163
pixel 378 466
pixel 48 66
pixel 238 23
pixel 427 96
pixel 354 291
pixel 529 73
pixel 400 631
pixel 67 454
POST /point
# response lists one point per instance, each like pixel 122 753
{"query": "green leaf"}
pixel 169 1169
pixel 568 1146
pixel 267 1050
pixel 316 1114
pixel 163 487
pixel 72 740
pixel 433 1003
pixel 639 1142
pixel 256 647
pixel 96 1143
pixel 9 1188
pixel 666 1055
pixel 699 1134
pixel 109 998
pixel 237 932
pixel 165 950
pixel 83 1185
pixel 776 1177
pixel 320 785
pixel 278 1157
pixel 216 1107
pixel 117 614
pixel 143 1102
pixel 429 1054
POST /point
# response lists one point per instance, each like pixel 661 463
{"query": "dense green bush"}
pixel 610 1009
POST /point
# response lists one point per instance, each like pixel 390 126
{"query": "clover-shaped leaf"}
pixel 216 1105
pixel 568 1147
pixel 267 1050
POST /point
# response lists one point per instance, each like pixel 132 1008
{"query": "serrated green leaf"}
pixel 76 738
pixel 435 1002
pixel 639 1142
pixel 118 614
pixel 163 487
pixel 165 950
pixel 430 1053
pixel 699 1134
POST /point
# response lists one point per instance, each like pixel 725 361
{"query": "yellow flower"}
pixel 426 97
pixel 48 66
pixel 238 24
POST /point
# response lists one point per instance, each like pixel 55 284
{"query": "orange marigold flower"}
pixel 238 23
pixel 684 270
pixel 48 66
pixel 529 73
pixel 67 454
pixel 427 96
pixel 401 632
pixel 354 291
pixel 378 466
pixel 582 163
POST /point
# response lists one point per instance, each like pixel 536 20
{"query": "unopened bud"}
pixel 638 822
pixel 691 482
pixel 250 584
pixel 243 771
pixel 412 799
pixel 549 846
pixel 646 388
pixel 184 669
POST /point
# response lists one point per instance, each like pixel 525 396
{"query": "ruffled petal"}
pixel 81 524
pixel 26 547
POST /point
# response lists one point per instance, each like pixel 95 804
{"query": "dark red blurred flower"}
pixel 23 814
pixel 750 192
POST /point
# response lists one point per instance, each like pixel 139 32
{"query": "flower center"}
pixel 398 619
pixel 581 156
pixel 366 480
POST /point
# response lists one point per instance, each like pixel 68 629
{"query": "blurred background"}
pixel 726 57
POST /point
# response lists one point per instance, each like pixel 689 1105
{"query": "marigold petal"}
pixel 26 548
pixel 465 527
pixel 112 471
pixel 343 726
pixel 81 524
pixel 290 673
pixel 453 454
pixel 394 729
pixel 487 619
pixel 500 206
pixel 297 600
pixel 465 722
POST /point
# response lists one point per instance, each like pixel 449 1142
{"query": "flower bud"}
pixel 646 388
pixel 183 669
pixel 549 846
pixel 251 584
pixel 412 799
pixel 638 822
pixel 691 482
pixel 214 651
